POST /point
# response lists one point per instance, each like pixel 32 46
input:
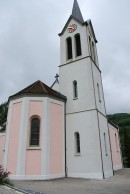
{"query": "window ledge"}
pixel 69 60
pixel 77 154
pixel 75 98
pixel 78 57
pixel 33 148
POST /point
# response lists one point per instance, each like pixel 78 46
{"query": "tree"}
pixel 3 174
pixel 126 148
pixel 3 112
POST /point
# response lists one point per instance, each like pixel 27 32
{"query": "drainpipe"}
pixel 65 141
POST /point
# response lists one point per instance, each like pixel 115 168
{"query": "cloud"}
pixel 30 49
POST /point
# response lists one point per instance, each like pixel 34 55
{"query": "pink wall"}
pixel 33 162
pixel 33 157
pixel 56 139
pixel 2 144
pixel 116 154
pixel 13 141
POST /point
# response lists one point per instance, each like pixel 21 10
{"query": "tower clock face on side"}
pixel 72 28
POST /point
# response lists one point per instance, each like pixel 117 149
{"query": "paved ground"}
pixel 119 184
pixel 5 190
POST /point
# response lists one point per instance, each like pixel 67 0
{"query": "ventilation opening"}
pixel 99 95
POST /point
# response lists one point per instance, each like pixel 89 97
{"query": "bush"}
pixel 3 174
pixel 7 181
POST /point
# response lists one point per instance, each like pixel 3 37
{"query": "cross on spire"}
pixel 76 13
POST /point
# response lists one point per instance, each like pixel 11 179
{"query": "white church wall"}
pixel 90 34
pixel 98 90
pixel 87 164
pixel 105 144
pixel 81 72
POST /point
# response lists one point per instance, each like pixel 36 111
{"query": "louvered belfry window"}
pixel 69 48
pixel 35 132
pixel 78 45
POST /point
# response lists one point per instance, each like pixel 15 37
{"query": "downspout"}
pixel 65 141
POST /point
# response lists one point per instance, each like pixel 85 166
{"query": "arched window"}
pixel 99 95
pixel 78 45
pixel 69 48
pixel 77 143
pixel 75 89
pixel 92 49
pixel 93 52
pixel 35 132
pixel 90 46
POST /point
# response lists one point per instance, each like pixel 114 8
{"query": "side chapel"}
pixel 63 130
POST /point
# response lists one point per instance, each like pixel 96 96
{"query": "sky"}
pixel 30 45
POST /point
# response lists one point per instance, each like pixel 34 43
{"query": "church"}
pixel 62 130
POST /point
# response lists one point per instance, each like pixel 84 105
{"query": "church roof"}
pixel 38 88
pixel 76 13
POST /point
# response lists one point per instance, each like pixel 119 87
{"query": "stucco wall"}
pixel 105 144
pixel 34 154
pixel 13 140
pixel 115 146
pixel 87 164
pixel 56 139
pixel 35 163
pixel 2 145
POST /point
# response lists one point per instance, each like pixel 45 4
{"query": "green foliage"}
pixel 3 174
pixel 3 112
pixel 120 117
pixel 123 121
pixel 7 181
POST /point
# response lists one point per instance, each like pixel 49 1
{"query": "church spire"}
pixel 76 13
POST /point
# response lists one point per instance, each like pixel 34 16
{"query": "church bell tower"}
pixel 88 153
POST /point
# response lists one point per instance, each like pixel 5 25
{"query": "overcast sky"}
pixel 29 44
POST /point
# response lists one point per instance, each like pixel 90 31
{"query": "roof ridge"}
pixel 43 86
pixel 32 85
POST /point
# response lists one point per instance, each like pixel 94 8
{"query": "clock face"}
pixel 72 28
